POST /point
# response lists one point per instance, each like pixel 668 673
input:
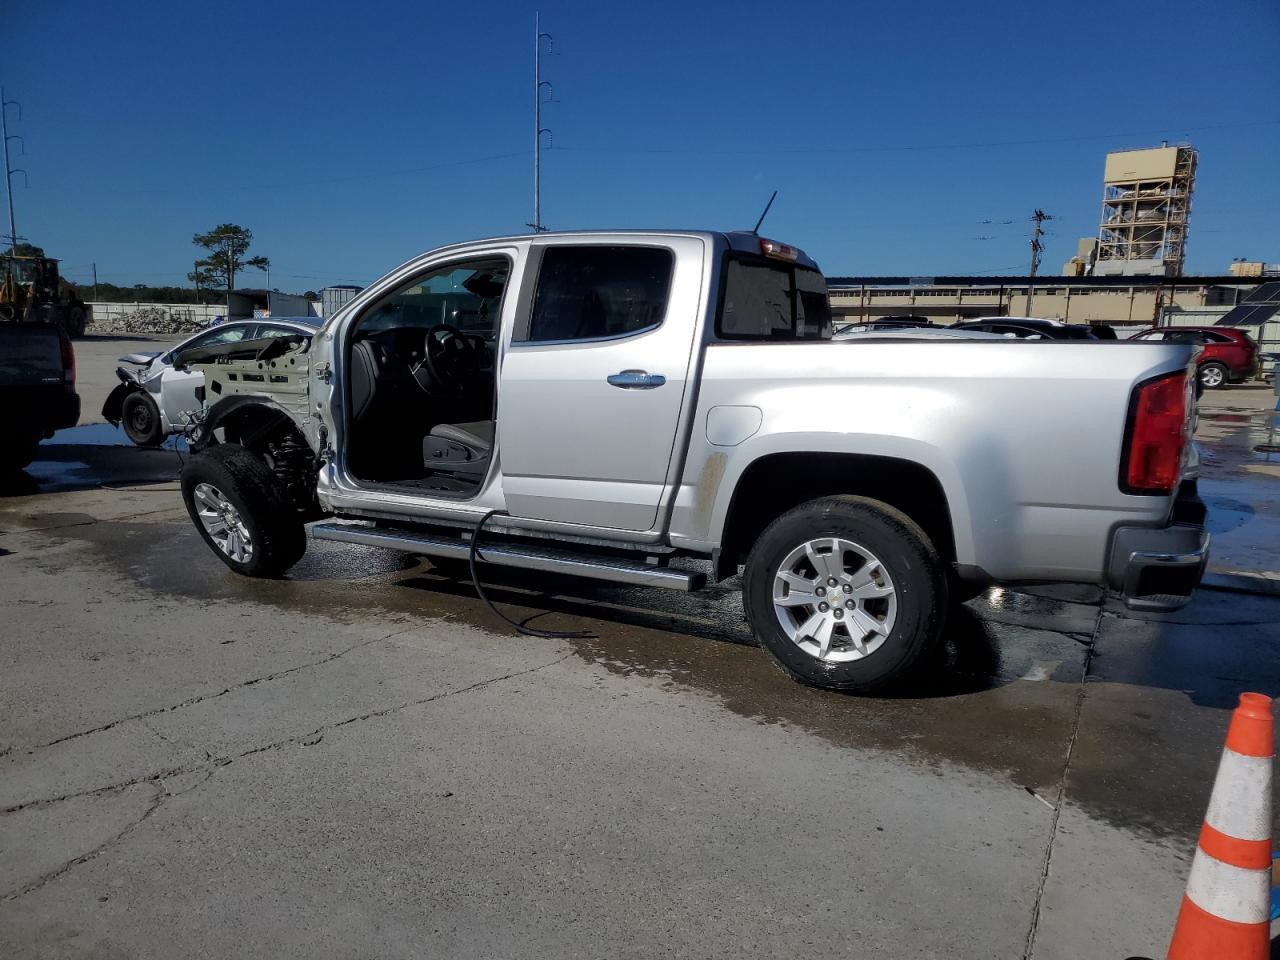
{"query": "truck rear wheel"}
pixel 845 593
pixel 242 511
pixel 75 322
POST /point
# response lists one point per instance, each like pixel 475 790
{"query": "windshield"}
pixel 24 271
pixel 764 300
pixel 465 297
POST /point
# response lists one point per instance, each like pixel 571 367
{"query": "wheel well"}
pixel 774 484
pixel 249 424
pixel 271 433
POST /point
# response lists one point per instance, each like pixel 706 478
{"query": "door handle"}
pixel 636 380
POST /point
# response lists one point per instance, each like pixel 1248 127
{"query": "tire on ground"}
pixel 1213 375
pixel 962 591
pixel 17 451
pixel 454 568
pixel 910 560
pixel 275 529
pixel 76 322
pixel 140 417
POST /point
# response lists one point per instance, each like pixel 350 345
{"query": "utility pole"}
pixel 231 274
pixel 538 128
pixel 8 170
pixel 1038 218
pixel 95 283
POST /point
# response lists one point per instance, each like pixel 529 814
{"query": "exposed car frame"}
pixel 156 396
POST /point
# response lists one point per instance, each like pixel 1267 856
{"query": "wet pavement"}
pixel 361 760
pixel 1239 434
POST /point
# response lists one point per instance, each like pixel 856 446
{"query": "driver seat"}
pixel 461 449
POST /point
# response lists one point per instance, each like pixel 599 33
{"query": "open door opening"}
pixel 422 361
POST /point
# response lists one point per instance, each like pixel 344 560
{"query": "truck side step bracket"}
pixel 510 554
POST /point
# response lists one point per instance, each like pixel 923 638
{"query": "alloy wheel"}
pixel 835 599
pixel 223 523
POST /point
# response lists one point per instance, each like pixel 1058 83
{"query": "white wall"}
pixel 194 314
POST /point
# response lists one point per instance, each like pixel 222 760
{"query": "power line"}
pixel 882 148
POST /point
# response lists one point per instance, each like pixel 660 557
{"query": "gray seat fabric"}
pixel 460 450
pixel 478 435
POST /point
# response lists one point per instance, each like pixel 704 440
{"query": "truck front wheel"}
pixel 242 511
pixel 845 593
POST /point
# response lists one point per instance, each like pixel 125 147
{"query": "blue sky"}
pixel 350 136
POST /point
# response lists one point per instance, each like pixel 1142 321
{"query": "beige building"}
pixel 1122 301
pixel 1254 268
pixel 1146 206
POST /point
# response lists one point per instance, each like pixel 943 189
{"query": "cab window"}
pixel 590 293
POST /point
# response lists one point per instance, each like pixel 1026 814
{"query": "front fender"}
pixel 113 409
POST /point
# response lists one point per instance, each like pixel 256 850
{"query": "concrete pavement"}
pixel 360 760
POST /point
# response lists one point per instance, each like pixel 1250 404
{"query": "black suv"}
pixel 1028 328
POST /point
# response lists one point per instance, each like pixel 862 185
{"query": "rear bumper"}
pixel 1157 568
pixel 39 410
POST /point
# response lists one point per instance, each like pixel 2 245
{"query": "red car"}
pixel 1230 355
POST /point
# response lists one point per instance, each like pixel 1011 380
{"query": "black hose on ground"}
pixel 472 554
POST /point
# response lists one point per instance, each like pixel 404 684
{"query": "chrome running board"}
pixel 520 555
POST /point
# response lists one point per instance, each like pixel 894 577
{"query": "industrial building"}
pixel 1146 205
pixel 1125 303
pixel 1146 211
pixel 1122 301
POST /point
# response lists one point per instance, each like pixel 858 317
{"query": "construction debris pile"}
pixel 148 319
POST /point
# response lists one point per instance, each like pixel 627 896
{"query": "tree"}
pixel 228 244
pixel 25 250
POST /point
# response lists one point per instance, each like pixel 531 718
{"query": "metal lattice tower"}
pixel 1146 205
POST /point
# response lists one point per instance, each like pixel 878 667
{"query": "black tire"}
pixel 1213 375
pixel 140 417
pixel 454 568
pixel 908 557
pixel 962 591
pixel 75 323
pixel 17 452
pixel 274 527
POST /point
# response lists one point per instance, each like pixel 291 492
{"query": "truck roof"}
pixel 742 241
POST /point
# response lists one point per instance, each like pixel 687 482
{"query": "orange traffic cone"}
pixel 1225 912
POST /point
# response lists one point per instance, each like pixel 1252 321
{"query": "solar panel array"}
pixel 1257 308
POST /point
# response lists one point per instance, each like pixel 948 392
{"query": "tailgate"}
pixel 30 354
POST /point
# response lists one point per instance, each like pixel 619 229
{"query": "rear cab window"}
pixel 764 299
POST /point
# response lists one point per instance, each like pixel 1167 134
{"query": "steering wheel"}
pixel 450 358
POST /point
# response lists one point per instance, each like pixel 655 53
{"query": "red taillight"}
pixel 1157 435
pixel 779 251
pixel 68 360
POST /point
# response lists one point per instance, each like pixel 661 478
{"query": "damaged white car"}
pixel 155 398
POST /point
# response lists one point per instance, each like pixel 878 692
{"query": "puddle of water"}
pixel 103 435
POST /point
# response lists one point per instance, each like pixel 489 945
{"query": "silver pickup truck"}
pixel 605 403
